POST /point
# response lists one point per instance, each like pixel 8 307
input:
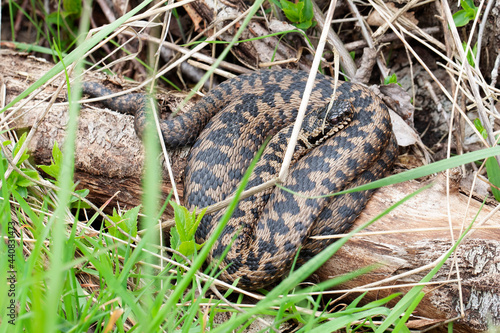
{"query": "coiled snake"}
pixel 227 128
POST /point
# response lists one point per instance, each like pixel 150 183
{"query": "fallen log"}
pixel 109 159
pixel 411 238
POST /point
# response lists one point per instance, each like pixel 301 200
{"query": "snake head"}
pixel 323 123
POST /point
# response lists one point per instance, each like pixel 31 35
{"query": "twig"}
pixel 205 67
pixel 480 33
pixel 494 71
pixel 166 26
pixel 108 12
pixel 403 231
pixel 471 75
pixel 403 22
pixel 359 44
pixel 367 36
pixel 392 286
pixel 306 95
pixel 345 58
pixel 433 95
pixel 197 55
pixel 383 28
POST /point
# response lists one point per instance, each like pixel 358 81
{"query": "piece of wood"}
pixel 109 158
pixel 404 248
pixel 108 155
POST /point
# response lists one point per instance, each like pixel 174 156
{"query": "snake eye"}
pixel 334 121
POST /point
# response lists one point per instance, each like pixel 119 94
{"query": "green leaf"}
pixel 53 18
pixel 292 10
pixel 57 153
pixel 55 163
pixel 116 218
pixel 49 169
pixel 31 173
pixel 480 128
pixel 24 182
pixel 461 18
pixel 130 220
pixel 17 146
pixel 175 239
pixel 466 5
pixel 304 25
pixel 22 191
pixel 307 11
pixel 493 171
pixel 392 79
pixel 188 248
pixel 126 222
pixel 76 202
pixel 470 59
pixel 300 13
pixel 180 216
pixel 468 13
pixel 83 193
pixel 15 180
pixel 72 6
pixel 182 234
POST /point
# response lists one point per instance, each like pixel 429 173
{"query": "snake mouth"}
pixel 322 124
pixel 313 140
pixel 331 131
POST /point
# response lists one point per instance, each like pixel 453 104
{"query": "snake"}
pixel 273 230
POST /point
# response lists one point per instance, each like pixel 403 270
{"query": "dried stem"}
pixel 345 58
pixel 307 93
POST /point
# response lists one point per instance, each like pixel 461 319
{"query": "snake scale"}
pixel 228 126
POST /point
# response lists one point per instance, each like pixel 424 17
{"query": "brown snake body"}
pixel 227 128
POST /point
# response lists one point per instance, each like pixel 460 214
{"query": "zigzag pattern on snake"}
pixel 229 125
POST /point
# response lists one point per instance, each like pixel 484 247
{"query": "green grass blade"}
pixel 341 322
pixel 413 305
pixel 493 171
